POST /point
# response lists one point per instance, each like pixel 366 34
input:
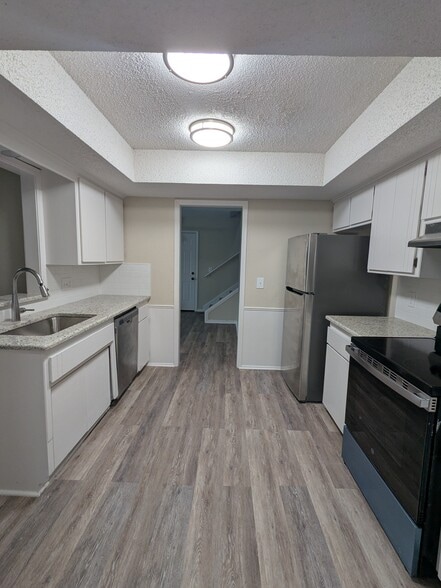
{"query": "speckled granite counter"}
pixel 378 326
pixel 105 308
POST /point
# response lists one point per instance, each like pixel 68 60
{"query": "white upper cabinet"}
pixel 353 211
pixel 114 229
pixel 361 207
pixel 93 223
pixel 342 211
pixel 432 191
pixel 396 220
pixel 83 224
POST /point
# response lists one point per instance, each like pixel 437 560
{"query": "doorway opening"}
pixel 209 267
pixel 20 218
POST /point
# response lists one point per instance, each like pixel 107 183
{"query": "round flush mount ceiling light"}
pixel 211 132
pixel 200 68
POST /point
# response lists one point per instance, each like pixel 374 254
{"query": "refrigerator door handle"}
pixel 294 291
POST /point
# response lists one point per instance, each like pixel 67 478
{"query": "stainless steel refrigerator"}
pixel 326 274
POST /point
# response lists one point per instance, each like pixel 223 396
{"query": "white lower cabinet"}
pixel 50 400
pixel 336 376
pixel 78 401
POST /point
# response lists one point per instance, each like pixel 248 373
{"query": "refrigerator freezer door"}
pixel 295 338
pixel 300 262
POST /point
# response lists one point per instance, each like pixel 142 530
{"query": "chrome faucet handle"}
pixel 26 309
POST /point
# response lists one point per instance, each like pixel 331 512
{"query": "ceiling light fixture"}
pixel 200 68
pixel 211 132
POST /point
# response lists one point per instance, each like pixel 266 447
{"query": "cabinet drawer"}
pixel 338 340
pixel 71 357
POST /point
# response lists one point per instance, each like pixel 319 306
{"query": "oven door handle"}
pixel 410 392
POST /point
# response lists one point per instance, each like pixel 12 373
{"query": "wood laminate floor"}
pixel 201 476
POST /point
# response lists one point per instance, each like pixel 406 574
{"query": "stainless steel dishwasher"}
pixel 126 343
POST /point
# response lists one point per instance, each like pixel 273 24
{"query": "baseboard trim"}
pixel 220 322
pixel 20 493
pixel 159 364
pixel 264 308
pixel 274 368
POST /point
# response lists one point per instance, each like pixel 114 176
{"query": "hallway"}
pixel 203 476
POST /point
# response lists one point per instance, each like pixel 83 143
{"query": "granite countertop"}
pixel 378 326
pixel 105 308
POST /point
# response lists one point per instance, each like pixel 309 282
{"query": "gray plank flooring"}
pixel 201 476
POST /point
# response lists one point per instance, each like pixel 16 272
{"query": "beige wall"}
pixel 270 224
pixel 149 237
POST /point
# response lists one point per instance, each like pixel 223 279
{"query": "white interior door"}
pixel 189 270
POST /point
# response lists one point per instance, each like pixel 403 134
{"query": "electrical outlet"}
pixel 260 283
pixel 66 283
pixel 412 300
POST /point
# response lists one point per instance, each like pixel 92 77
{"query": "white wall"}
pixel 416 300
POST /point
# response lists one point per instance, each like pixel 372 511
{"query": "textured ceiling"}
pixel 276 103
pixel 277 27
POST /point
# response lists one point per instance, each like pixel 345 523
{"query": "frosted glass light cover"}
pixel 211 133
pixel 199 68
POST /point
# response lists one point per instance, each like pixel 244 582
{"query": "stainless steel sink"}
pixel 50 325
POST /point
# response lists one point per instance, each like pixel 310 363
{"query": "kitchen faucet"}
pixel 15 306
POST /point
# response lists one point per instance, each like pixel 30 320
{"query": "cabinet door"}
pixel 335 386
pixel 93 223
pixel 395 220
pixel 69 414
pixel 143 343
pixel 341 214
pixel 78 401
pixel 114 229
pixel 432 190
pixel 361 207
pixel 96 374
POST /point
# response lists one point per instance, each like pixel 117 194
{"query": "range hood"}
pixel 431 239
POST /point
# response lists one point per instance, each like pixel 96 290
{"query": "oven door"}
pixel 394 434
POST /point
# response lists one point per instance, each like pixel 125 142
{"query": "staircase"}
pixel 213 306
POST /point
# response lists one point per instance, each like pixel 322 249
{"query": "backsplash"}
pixel 130 279
pixel 417 299
pixel 70 283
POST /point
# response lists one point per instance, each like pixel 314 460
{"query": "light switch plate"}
pixel 260 283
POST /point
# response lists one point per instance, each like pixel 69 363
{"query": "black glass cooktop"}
pixel 414 359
